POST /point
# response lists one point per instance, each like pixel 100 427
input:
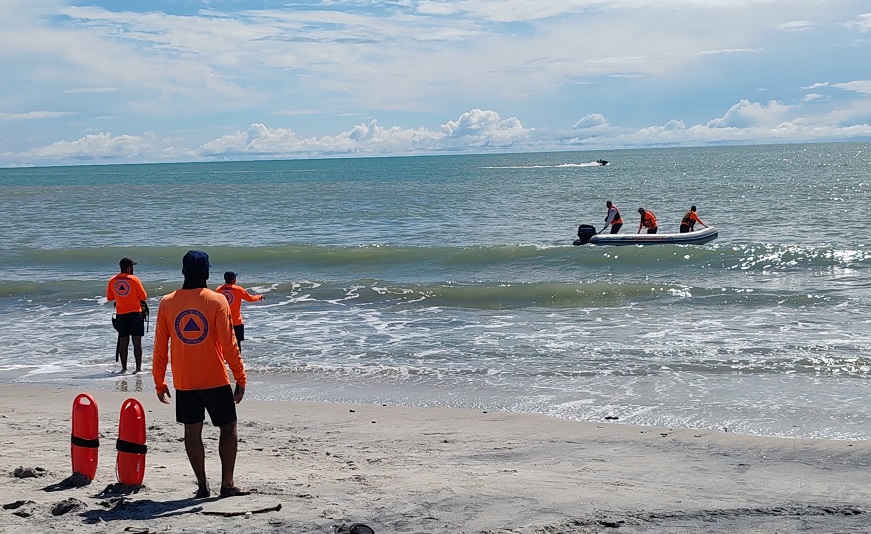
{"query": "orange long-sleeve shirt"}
pixel 127 292
pixel 235 295
pixel 196 325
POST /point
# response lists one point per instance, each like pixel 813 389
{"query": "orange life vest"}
pixel 617 218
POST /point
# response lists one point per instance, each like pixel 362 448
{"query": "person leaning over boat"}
pixel 613 218
pixel 688 223
pixel 648 220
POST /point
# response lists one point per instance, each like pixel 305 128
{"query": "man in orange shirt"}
pixel 129 296
pixel 195 322
pixel 235 295
pixel 690 218
pixel 648 220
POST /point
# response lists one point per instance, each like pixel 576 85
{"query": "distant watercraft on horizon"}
pixel 602 161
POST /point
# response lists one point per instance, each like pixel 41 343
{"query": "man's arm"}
pixel 160 355
pixel 110 293
pixel 229 348
pixel 249 297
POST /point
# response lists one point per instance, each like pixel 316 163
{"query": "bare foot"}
pixel 233 491
pixel 202 491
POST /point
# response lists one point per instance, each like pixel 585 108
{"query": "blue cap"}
pixel 195 262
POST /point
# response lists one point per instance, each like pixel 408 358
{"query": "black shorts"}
pixel 652 230
pixel 684 228
pixel 616 227
pixel 239 330
pixel 191 405
pixel 130 324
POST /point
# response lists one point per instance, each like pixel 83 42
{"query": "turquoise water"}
pixel 452 280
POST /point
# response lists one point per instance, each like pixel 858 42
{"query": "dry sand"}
pixel 417 470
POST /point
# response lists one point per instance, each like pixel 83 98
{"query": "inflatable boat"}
pixel 587 235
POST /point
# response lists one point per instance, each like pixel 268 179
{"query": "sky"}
pixel 93 82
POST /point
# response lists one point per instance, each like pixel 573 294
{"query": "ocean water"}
pixel 453 281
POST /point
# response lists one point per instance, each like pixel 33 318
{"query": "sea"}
pixel 453 281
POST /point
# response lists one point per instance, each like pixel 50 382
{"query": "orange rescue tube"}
pixel 130 466
pixel 85 438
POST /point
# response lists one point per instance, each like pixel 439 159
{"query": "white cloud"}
pixel 35 115
pixel 89 90
pixel 858 86
pixel 863 22
pixel 797 26
pixel 746 114
pixel 811 97
pixel 475 129
pixel 730 51
pixel 106 148
pixel 593 120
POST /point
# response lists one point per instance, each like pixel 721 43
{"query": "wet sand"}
pixel 413 470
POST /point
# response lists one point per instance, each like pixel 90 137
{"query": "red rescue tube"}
pixel 85 438
pixel 130 465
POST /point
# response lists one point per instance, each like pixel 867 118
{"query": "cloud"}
pixel 746 114
pixel 858 86
pixel 593 120
pixel 475 129
pixel 810 97
pixel 35 115
pixel 730 51
pixel 862 22
pixel 104 148
pixel 90 90
pixel 797 26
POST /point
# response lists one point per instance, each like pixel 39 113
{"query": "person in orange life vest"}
pixel 195 322
pixel 235 295
pixel 126 290
pixel 689 221
pixel 648 220
pixel 613 218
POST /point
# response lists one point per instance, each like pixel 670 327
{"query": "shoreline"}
pixel 399 469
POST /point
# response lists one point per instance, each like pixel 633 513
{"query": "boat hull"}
pixel 697 237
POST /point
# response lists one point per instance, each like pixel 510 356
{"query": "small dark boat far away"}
pixel 602 161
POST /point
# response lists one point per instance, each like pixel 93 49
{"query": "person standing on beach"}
pixel 689 221
pixel 126 291
pixel 235 295
pixel 195 322
pixel 613 218
pixel 648 220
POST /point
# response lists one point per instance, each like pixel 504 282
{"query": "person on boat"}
pixel 613 218
pixel 648 220
pixel 688 223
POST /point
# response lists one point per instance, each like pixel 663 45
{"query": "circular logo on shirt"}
pixel 121 288
pixel 229 295
pixel 191 326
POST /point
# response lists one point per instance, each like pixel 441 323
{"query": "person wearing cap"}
pixel 613 218
pixel 235 295
pixel 688 223
pixel 194 322
pixel 126 291
pixel 648 220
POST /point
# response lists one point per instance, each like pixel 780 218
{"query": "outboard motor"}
pixel 585 232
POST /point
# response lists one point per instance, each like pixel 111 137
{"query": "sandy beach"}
pixel 415 470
